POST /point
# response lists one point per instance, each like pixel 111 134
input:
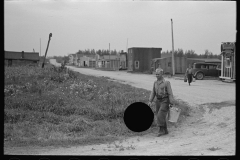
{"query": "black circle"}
pixel 138 117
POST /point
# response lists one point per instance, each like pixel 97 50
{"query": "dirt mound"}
pixel 204 132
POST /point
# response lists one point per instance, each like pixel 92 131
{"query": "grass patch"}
pixel 56 106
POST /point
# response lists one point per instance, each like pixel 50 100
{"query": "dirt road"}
pixel 211 132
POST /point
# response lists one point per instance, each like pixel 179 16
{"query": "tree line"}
pixel 190 54
pixel 177 53
pixel 99 52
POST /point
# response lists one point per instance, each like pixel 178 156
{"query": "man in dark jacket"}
pixel 189 74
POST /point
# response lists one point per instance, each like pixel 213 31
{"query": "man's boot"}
pixel 166 130
pixel 161 131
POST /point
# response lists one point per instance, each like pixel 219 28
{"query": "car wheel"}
pixel 200 76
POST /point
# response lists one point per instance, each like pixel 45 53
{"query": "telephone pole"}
pixel 127 46
pixel 109 55
pixel 173 64
pixel 40 47
pixel 50 35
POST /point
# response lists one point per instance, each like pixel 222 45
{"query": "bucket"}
pixel 173 114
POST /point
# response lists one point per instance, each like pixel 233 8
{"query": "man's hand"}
pixel 149 104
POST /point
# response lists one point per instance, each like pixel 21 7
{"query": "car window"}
pixel 203 66
pixel 212 67
pixel 197 66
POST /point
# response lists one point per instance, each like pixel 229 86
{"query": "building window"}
pixel 169 64
pixel 136 64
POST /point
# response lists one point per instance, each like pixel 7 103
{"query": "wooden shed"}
pixel 139 59
pixel 166 64
pixel 123 60
pixel 228 65
pixel 181 63
pixel 21 58
pixel 108 62
pixel 203 60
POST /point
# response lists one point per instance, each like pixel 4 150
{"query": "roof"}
pixel 206 59
pixel 204 63
pixel 72 54
pixel 18 55
pixel 86 55
pixel 145 48
pixel 122 53
pixel 110 57
pixel 155 59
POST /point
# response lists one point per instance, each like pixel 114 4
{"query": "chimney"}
pixel 22 54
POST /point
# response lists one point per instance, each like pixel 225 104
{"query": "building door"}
pixel 130 65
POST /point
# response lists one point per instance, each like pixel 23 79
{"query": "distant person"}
pixel 163 92
pixel 189 74
pixel 120 67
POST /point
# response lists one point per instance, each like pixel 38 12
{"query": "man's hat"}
pixel 159 70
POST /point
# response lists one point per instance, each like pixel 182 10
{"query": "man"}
pixel 189 74
pixel 162 90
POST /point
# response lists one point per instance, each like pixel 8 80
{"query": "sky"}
pixel 79 25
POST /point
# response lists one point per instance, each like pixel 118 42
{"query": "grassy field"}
pixel 51 107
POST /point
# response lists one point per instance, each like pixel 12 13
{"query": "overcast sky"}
pixel 93 25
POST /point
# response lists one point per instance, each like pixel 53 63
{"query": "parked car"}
pixel 200 70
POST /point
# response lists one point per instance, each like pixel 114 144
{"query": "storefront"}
pixel 228 67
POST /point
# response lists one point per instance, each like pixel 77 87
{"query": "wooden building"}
pixel 13 58
pixel 203 60
pixel 139 59
pixel 181 63
pixel 87 61
pixel 166 64
pixel 71 59
pixel 123 60
pixel 228 67
pixel 108 62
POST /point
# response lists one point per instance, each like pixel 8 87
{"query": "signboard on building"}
pixel 227 46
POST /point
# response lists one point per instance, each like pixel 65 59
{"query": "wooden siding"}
pixel 166 64
pixel 19 56
pixel 144 56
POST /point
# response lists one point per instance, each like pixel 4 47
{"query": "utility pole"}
pixel 40 47
pixel 173 64
pixel 109 55
pixel 40 52
pixel 127 46
pixel 50 35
